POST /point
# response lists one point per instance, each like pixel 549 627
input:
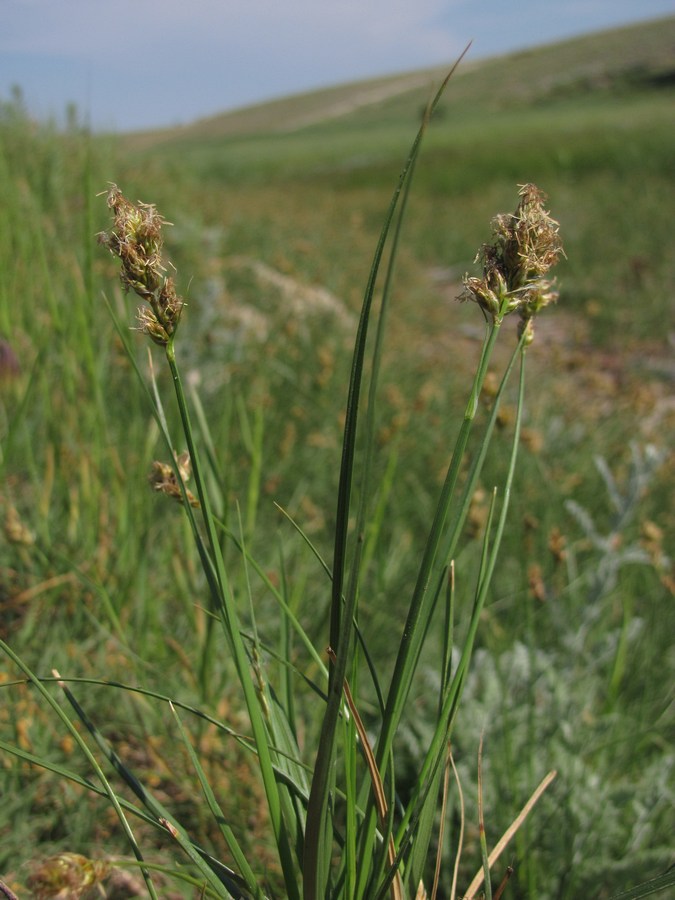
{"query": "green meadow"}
pixel 276 213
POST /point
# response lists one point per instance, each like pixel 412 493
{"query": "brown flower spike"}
pixel 163 478
pixel 67 876
pixel 136 238
pixel 526 245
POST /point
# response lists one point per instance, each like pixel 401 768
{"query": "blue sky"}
pixel 131 64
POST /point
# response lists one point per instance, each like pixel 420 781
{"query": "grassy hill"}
pixel 615 60
pixel 588 119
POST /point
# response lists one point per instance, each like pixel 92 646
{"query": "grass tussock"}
pixel 171 723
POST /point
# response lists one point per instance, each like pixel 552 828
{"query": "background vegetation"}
pixel 276 215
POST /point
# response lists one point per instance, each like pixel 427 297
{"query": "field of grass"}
pixel 276 216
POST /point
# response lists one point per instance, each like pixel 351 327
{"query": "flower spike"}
pixel 526 245
pixel 136 238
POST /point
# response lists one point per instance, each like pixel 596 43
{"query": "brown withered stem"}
pixel 136 238
pixel 6 892
pixel 526 245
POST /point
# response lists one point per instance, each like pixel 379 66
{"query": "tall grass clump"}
pixel 289 677
pixel 341 806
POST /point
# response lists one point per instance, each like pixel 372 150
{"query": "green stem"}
pixel 453 694
pixel 413 633
pixel 410 644
pixel 224 601
pixel 316 861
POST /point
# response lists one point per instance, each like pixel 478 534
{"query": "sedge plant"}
pixel 339 823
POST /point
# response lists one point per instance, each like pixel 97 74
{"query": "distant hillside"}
pixel 636 56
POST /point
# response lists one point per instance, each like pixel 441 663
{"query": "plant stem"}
pixel 224 602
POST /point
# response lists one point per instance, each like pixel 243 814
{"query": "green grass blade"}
pixel 224 600
pixel 370 662
pixel 73 777
pixel 448 631
pixel 286 692
pixel 422 601
pixel 417 861
pixel 252 434
pixel 420 607
pixel 91 759
pixel 219 817
pixel 219 477
pixel 157 411
pixel 448 544
pixel 647 888
pixel 243 740
pixel 487 881
pixel 350 859
pixel 282 739
pixel 215 572
pixel 292 776
pixel 225 881
pixel 319 841
pixel 278 596
pixel 433 759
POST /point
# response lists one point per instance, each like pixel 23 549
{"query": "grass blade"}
pixel 36 682
pixel 314 868
pixel 224 602
pixel 217 813
pixel 647 888
pixel 222 880
pixel 508 835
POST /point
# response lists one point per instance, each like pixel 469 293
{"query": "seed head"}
pixel 68 875
pixel 15 530
pixel 526 245
pixel 136 238
pixel 163 478
pixel 10 368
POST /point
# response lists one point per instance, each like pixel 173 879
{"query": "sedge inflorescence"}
pixel 526 245
pixel 163 478
pixel 136 238
pixel 67 875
